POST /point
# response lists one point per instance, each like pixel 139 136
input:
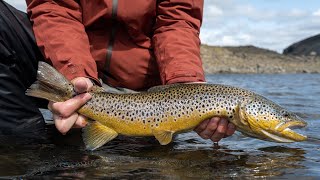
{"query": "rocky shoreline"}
pixel 250 59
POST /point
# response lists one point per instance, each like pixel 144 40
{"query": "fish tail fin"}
pixel 50 85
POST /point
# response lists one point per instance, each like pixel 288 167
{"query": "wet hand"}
pixel 64 113
pixel 215 129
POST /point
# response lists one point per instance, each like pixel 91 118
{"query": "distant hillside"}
pixel 250 59
pixel 307 46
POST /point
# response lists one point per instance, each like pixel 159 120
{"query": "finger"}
pixel 63 125
pixel 201 126
pixel 231 129
pixel 80 122
pixel 50 105
pixel 210 128
pixel 81 84
pixel 65 109
pixel 220 131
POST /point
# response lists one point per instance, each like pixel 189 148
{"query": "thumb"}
pixel 82 84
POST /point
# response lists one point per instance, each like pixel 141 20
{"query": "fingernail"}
pixel 85 96
pixel 88 96
pixel 84 123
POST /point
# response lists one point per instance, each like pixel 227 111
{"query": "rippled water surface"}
pixel 188 156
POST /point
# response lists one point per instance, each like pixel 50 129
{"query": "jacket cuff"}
pixel 184 77
pixel 72 71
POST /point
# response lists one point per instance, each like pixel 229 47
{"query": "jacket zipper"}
pixel 114 27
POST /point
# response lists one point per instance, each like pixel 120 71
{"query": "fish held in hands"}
pixel 165 110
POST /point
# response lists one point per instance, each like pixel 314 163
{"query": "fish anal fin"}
pixel 96 135
pixel 163 136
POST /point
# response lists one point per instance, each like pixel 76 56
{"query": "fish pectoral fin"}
pixel 164 137
pixel 241 111
pixel 96 135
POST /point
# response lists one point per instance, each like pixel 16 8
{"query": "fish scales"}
pixel 178 108
pixel 163 111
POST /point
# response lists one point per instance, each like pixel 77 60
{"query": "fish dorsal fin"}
pixel 163 136
pixel 96 135
pixel 108 89
pixel 162 87
pixel 97 89
pixel 118 90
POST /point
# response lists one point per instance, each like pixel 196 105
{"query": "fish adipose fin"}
pixel 164 137
pixel 96 135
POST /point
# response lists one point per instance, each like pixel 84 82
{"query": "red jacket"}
pixel 128 43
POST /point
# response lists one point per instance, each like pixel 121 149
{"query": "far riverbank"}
pixel 250 59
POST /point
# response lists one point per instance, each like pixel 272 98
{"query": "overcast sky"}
pixel 270 24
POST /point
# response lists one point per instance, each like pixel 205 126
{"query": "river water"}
pixel 189 156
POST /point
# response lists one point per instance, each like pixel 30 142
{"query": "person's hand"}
pixel 215 129
pixel 64 113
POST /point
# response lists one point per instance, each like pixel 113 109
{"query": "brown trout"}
pixel 165 110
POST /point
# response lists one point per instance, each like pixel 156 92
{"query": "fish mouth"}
pixel 284 133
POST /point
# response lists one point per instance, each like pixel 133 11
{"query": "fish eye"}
pixel 286 115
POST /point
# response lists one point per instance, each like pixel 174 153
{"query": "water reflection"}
pixel 142 158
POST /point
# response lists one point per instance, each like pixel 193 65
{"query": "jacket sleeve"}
pixel 176 40
pixel 60 35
